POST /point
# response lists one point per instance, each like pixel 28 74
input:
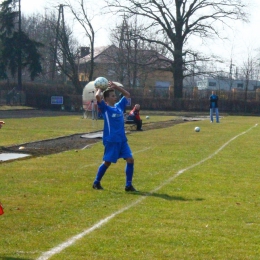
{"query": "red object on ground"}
pixel 1 210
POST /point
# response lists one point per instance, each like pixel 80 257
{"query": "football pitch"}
pixel 198 194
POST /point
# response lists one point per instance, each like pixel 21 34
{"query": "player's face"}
pixel 111 99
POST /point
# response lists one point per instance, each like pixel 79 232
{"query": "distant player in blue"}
pixel 114 138
pixel 213 99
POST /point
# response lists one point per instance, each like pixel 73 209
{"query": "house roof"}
pixel 110 54
pixel 97 52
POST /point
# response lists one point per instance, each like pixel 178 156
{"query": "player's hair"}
pixel 106 93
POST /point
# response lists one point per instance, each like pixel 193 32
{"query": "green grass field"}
pixel 198 199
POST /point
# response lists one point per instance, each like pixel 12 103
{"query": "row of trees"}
pixel 39 46
pixel 167 27
pixel 17 50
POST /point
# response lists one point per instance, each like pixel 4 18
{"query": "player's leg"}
pixel 139 125
pixel 136 122
pixel 217 115
pixel 110 155
pixel 100 173
pixel 211 114
pixel 129 171
pixel 129 168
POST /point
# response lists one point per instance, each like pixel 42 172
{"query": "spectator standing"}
pixel 213 99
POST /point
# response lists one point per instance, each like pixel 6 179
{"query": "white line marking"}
pixel 72 240
pixel 140 151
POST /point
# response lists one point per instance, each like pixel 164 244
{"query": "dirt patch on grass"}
pixel 72 142
pixel 75 142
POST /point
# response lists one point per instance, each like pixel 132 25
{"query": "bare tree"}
pixel 248 72
pixel 42 28
pixel 60 51
pixel 79 11
pixel 67 56
pixel 175 21
pixel 135 58
pixel 127 58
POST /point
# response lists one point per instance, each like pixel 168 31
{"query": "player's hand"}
pixel 112 85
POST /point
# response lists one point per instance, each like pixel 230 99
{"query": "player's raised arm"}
pixel 120 89
pixel 98 95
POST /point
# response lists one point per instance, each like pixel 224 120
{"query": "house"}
pixel 138 68
pixel 227 84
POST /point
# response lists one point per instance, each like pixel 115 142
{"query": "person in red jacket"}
pixel 134 114
pixel 1 124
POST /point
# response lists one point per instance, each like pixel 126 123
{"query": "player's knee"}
pixel 107 163
pixel 130 160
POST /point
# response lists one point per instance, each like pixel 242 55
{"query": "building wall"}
pixel 227 84
pixel 148 80
pixel 159 76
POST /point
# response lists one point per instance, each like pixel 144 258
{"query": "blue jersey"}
pixel 114 130
pixel 213 101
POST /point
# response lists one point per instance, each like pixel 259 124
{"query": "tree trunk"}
pixel 178 48
pixel 178 73
pixel 91 72
pixel 76 84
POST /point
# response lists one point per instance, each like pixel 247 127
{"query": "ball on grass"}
pixel 147 117
pixel 197 129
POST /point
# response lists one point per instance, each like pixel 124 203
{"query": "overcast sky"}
pixel 245 38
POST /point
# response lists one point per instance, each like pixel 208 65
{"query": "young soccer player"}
pixel 114 138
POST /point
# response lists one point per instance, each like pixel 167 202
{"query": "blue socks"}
pixel 101 171
pixel 129 170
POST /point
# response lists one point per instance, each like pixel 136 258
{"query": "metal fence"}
pixel 235 101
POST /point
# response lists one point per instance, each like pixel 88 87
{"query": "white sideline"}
pixel 46 255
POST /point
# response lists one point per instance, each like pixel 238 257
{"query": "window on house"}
pixel 240 85
pixel 212 84
pixel 162 84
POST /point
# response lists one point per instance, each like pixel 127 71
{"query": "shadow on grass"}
pixel 164 196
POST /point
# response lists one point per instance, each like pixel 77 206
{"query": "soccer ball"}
pixel 197 129
pixel 101 83
pixel 147 117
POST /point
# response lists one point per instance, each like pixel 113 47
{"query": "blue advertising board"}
pixel 57 100
pixel 128 102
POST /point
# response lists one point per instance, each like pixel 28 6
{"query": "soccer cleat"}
pixel 97 186
pixel 130 188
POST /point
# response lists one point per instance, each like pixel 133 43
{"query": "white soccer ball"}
pixel 101 83
pixel 197 129
pixel 147 117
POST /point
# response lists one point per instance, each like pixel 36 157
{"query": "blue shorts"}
pixel 114 151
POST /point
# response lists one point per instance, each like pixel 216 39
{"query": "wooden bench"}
pixel 131 123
